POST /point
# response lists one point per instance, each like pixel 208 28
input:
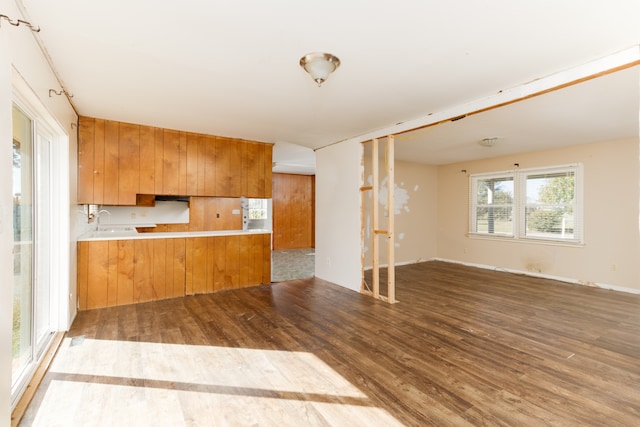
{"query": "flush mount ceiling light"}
pixel 488 142
pixel 319 65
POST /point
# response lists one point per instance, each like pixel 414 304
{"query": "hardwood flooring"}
pixel 463 347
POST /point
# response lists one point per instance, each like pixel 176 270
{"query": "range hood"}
pixel 172 198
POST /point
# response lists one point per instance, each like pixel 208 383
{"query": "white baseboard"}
pixel 543 276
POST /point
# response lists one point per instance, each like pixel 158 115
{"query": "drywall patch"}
pixel 400 200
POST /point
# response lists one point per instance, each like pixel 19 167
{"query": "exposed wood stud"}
pixel 375 253
pixel 391 278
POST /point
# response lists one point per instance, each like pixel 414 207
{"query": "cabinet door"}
pixel 143 269
pixel 128 163
pixel 193 142
pixel 171 162
pixel 98 163
pixel 209 154
pixel 253 172
pixel 196 265
pixel 86 158
pixel 147 160
pixel 228 167
pixel 268 170
pixel 111 163
pixel 159 160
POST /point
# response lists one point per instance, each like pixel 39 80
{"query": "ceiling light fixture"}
pixel 319 65
pixel 488 142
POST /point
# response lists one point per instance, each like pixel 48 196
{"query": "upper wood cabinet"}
pixel 118 160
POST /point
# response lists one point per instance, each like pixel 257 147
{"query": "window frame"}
pixel 519 205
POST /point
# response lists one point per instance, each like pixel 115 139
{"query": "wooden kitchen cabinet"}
pixel 119 272
pixel 215 263
pixel 117 161
pixel 131 271
pixel 228 161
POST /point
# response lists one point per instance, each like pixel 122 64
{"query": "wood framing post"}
pixel 375 243
pixel 391 269
pixel 375 222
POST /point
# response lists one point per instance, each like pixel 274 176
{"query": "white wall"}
pixel 19 52
pixel 609 256
pixel 338 239
pixel 6 231
pixel 416 208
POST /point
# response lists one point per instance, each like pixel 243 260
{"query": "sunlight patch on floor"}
pixel 99 382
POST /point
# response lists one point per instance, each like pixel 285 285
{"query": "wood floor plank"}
pixel 464 346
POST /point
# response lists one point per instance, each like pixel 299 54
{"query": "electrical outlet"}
pixel 466 250
pixel 614 267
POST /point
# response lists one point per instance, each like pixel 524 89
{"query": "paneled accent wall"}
pixel 293 211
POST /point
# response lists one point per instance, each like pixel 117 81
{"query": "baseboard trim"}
pixel 542 276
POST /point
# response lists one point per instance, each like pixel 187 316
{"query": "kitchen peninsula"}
pixel 118 162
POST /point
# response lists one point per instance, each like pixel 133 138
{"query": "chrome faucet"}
pixel 98 216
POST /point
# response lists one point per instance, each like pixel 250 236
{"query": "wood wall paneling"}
pixel 179 261
pixel 268 175
pixel 159 283
pixel 120 272
pixel 83 274
pixel 143 276
pixel 112 275
pixel 211 264
pixel 125 272
pixel 232 261
pixel 244 261
pixel 98 279
pixel 219 263
pixel 293 216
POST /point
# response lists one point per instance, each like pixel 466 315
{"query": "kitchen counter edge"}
pixel 91 237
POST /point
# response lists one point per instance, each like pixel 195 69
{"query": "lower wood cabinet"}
pixel 119 272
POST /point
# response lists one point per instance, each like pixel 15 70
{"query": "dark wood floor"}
pixel 463 347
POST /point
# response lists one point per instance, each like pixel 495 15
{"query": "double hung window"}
pixel 542 204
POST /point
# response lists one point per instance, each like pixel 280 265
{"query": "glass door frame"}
pixel 59 248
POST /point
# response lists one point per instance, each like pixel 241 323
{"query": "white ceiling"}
pixel 231 68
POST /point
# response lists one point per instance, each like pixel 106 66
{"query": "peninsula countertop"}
pixel 130 233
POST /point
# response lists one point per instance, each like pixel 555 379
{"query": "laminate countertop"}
pixel 130 233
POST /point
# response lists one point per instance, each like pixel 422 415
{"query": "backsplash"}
pixel 164 212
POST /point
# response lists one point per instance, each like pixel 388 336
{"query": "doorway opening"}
pixel 293 255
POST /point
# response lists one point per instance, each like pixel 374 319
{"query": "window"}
pixel 541 204
pixel 257 208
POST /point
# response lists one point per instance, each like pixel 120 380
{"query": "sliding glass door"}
pixel 31 246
